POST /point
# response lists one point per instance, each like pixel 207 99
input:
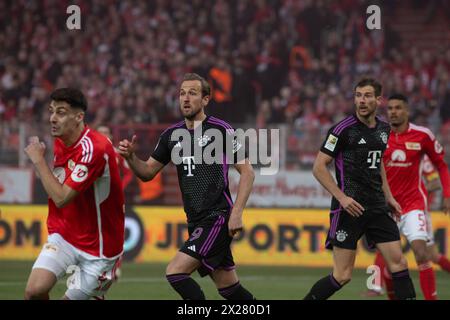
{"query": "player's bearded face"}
pixel 191 100
pixel 63 119
pixel 366 101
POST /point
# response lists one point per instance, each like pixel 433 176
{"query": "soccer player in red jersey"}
pixel 86 204
pixel 432 183
pixel 408 144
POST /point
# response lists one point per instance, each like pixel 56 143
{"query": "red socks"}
pixel 427 281
pixel 426 275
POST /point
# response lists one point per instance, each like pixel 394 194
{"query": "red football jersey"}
pixel 94 221
pixel 403 161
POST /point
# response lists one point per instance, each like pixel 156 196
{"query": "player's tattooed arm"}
pixel 247 176
pixel 144 170
pixel 321 173
pixel 60 194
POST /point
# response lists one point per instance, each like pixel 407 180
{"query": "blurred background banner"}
pixel 281 237
pixel 292 189
pixel 16 185
pixel 23 231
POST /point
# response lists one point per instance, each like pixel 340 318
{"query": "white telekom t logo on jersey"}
pixel 374 158
pixel 190 165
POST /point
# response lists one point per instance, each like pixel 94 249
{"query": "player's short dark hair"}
pixel 398 96
pixel 206 88
pixel 377 87
pixel 74 97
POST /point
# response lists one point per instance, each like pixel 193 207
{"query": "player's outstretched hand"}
pixel 126 148
pixel 35 149
pixel 235 223
pixel 396 208
pixel 446 207
pixel 352 206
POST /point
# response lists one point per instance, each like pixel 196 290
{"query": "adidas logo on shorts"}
pixel 362 141
pixel 192 248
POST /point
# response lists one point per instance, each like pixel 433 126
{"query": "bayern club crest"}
pixel 341 235
pixel 203 140
pixel 384 137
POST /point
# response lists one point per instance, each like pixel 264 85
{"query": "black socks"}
pixel 186 287
pixel 236 292
pixel 323 289
pixel 403 286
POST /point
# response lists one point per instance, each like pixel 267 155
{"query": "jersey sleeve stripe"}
pixel 82 138
pixel 88 149
pixel 217 121
pixel 223 125
pixel 91 148
pixel 86 155
pixel 177 125
pixel 339 131
pixel 342 123
pixel 83 154
pixel 424 130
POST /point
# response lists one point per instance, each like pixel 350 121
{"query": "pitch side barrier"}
pixel 282 237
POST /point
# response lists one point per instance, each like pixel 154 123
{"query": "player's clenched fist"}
pixel 35 149
pixel 127 148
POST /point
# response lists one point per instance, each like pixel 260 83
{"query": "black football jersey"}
pixel 357 151
pixel 203 185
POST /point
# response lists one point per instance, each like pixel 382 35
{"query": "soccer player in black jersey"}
pixel 362 200
pixel 212 217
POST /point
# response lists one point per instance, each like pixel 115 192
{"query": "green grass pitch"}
pixel 146 281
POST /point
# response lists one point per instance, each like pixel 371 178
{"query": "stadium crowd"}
pixel 268 61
